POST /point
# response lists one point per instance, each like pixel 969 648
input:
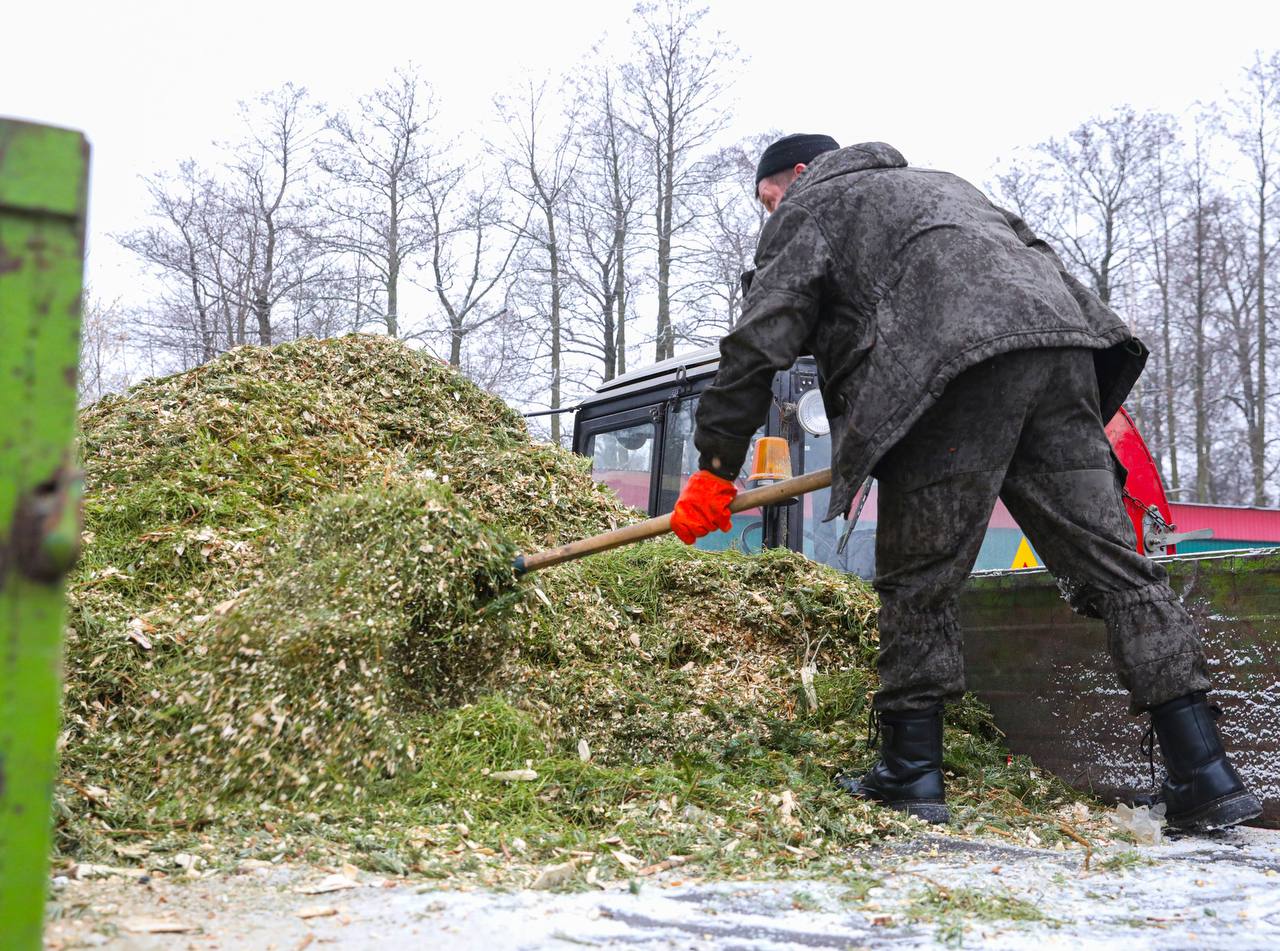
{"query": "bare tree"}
pixel 1162 197
pixel 177 247
pixel 471 254
pixel 325 308
pixel 104 349
pixel 1083 192
pixel 728 229
pixel 1204 204
pixel 677 87
pixel 500 356
pixel 538 161
pixel 230 244
pixel 271 167
pixel 378 162
pixel 1235 268
pixel 604 201
pixel 1253 123
pixel 1146 226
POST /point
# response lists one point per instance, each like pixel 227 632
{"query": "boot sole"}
pixel 1220 814
pixel 935 813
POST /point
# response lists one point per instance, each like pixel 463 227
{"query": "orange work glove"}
pixel 702 506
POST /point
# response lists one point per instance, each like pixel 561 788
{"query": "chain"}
pixel 1151 511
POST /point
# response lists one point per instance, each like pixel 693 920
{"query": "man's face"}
pixel 771 189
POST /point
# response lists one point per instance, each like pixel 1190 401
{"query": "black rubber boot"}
pixel 909 774
pixel 1201 791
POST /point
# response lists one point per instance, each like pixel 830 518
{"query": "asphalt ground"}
pixel 1203 892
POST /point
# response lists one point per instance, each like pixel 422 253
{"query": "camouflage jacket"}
pixel 896 279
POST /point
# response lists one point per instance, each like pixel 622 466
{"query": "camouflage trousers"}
pixel 1024 427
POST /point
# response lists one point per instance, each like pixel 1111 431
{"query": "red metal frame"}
pixel 1143 484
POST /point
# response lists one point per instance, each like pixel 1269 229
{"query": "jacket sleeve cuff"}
pixel 723 459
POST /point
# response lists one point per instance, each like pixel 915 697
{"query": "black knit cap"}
pixel 792 150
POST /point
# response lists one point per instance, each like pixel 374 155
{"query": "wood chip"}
pixel 515 775
pixel 806 681
pixel 86 870
pixel 137 631
pixel 155 926
pixel 189 862
pixel 786 806
pixel 331 883
pixel 316 911
pixel 669 862
pixel 555 875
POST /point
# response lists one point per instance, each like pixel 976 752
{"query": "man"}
pixel 959 362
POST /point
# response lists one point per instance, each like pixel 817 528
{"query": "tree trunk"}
pixel 1258 440
pixel 1199 371
pixel 666 347
pixel 554 251
pixel 393 263
pixel 1108 248
pixel 1170 388
pixel 621 348
pixel 262 311
pixel 262 298
pixel 207 347
pixel 615 361
pixel 609 341
pixel 455 343
pixel 619 265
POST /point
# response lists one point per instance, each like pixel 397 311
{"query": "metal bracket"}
pixel 854 514
pixel 683 386
pixel 1157 534
pixel 44 537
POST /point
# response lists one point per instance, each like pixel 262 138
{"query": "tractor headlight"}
pixel 812 414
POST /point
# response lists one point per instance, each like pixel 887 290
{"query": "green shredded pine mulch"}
pixel 295 635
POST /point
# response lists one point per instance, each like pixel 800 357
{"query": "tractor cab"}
pixel 637 430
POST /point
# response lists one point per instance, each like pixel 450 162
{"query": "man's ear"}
pixel 799 169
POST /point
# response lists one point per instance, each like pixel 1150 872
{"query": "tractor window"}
pixel 623 459
pixel 679 461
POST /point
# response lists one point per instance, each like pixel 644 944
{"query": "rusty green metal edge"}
pixel 43 191
pixel 42 169
pixel 1046 672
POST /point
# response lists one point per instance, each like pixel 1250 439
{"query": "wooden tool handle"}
pixel 651 528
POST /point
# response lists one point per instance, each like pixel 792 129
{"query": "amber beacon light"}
pixel 771 460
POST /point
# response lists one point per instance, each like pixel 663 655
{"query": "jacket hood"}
pixel 852 158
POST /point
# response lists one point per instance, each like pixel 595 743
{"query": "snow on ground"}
pixel 1196 892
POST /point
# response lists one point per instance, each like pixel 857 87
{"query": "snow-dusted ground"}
pixel 1206 892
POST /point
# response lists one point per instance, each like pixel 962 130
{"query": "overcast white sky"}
pixel 954 85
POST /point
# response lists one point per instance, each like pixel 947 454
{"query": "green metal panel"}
pixel 1219 544
pixel 1047 676
pixel 43 179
